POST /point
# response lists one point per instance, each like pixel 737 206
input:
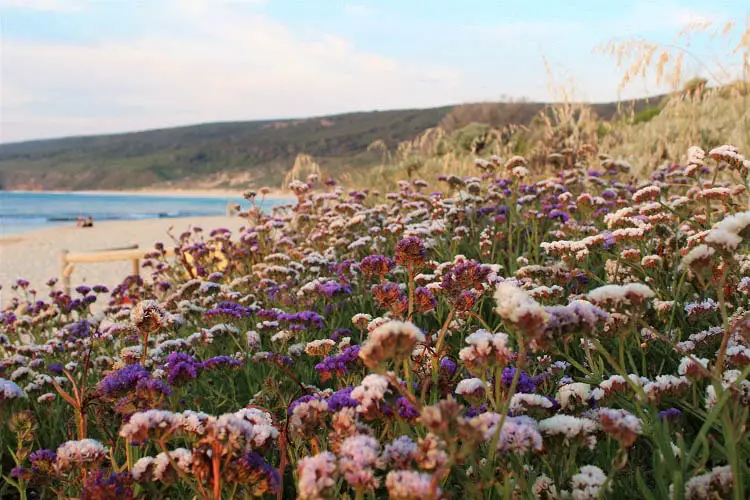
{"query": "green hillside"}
pixel 238 154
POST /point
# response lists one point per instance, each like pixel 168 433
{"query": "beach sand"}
pixel 35 256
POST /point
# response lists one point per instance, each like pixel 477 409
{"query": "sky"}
pixel 76 67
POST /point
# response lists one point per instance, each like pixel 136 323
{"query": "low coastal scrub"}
pixel 494 335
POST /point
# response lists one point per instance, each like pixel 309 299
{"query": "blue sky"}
pixel 72 67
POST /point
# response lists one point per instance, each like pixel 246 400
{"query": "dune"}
pixel 35 256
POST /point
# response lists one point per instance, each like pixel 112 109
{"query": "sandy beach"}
pixel 35 256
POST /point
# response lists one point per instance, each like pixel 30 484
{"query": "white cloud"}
pixel 224 67
pixel 45 5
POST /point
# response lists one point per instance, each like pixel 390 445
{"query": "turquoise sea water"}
pixel 30 211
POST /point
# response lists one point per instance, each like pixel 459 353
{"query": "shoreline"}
pixel 106 225
pixel 35 255
pixel 275 194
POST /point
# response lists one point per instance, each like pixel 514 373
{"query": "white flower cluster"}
pixel 370 392
pixel 621 294
pixel 358 456
pixel 516 306
pixel 79 452
pixel 588 483
pixel 485 349
pixel 572 395
pixel 9 390
pixel 568 427
pixel 149 469
pixel 520 403
pixel 692 367
pixel 391 340
pixel 726 234
pixel 408 485
pixel 398 454
pixel 699 254
pixel 471 387
pixel 316 476
pixel 716 483
pixel 665 385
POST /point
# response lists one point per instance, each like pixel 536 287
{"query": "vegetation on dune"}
pixel 243 155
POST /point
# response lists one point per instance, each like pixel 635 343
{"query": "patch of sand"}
pixel 35 256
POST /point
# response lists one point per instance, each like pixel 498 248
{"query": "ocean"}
pixel 29 211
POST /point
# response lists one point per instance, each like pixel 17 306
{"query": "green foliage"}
pixel 646 115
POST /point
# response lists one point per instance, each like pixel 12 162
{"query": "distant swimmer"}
pixel 89 222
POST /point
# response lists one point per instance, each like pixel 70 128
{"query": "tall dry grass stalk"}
pixel 304 165
pixel 707 110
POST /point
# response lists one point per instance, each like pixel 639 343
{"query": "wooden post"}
pixel 64 276
pixel 136 267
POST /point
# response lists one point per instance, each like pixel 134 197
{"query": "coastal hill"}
pixel 241 154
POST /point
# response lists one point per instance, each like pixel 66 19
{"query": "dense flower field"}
pixel 582 336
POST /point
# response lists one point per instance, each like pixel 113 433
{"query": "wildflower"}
pixel 411 485
pixel 10 391
pixel 524 384
pixel 123 380
pixel 515 305
pixel 665 385
pixel 567 426
pixel 357 457
pixel 620 424
pixel 588 483
pixel 716 483
pixel 80 453
pixel 220 361
pixel 471 388
pixel 670 414
pixel 150 423
pixel 317 476
pixel 484 350
pixel 361 320
pixel 630 294
pixel 376 265
pixel 43 460
pixel 518 435
pixel 393 340
pixel 319 347
pixel 727 233
pixel 370 393
pixel 424 300
pixel 522 403
pixel 339 364
pixel 251 469
pixel 410 252
pixel 571 395
pixel 398 454
pixel 693 367
pixel 148 316
pixel 306 416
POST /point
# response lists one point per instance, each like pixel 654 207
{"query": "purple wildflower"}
pixel 405 409
pixel 342 399
pixel 448 366
pixel 525 382
pixel 338 364
pixel 670 414
pixel 473 411
pixel 219 361
pixel 181 368
pixel 231 309
pixel 341 332
pixel 302 399
pixel 122 380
